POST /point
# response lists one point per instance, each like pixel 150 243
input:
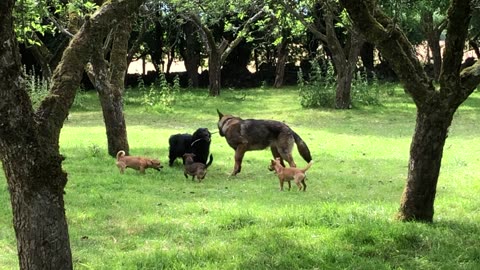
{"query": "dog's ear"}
pixel 220 115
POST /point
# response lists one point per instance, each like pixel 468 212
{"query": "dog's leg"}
pixel 304 184
pixel 281 184
pixel 285 153
pixel 276 154
pixel 298 179
pixel 239 153
pixel 171 158
pixel 289 185
pixel 142 170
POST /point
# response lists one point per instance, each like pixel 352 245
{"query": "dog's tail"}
pixel 307 167
pixel 210 161
pixel 302 147
pixel 120 153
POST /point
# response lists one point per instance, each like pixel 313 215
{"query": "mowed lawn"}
pixel 345 219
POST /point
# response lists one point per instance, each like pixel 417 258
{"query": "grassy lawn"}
pixel 345 219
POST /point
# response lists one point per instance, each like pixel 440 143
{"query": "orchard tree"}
pixel 29 140
pixel 206 16
pixel 344 54
pixel 436 105
pixel 108 77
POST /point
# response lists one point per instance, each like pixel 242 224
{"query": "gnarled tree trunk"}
pixel 108 80
pixel 29 147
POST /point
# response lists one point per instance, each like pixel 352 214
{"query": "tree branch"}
pixel 302 19
pixel 240 35
pixel 459 15
pixel 59 26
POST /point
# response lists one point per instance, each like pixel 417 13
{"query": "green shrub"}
pixel 364 91
pixel 37 87
pixel 320 90
pixel 161 96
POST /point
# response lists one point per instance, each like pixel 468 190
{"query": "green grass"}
pixel 345 219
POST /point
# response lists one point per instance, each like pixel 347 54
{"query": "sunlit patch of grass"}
pixel 344 220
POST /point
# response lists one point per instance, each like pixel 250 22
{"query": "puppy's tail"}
pixel 210 161
pixel 308 166
pixel 302 147
pixel 120 153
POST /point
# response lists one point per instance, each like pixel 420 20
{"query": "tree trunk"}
pixel 281 62
pixel 344 86
pixel 214 74
pixel 29 147
pixel 424 166
pixel 108 80
pixel 36 195
pixel 115 122
pixel 32 166
pixel 368 59
pixel 191 55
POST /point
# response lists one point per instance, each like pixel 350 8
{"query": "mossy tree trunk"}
pixel 435 107
pixel 108 78
pixel 29 140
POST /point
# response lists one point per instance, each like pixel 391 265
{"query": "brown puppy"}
pixel 137 163
pixel 195 168
pixel 255 134
pixel 288 174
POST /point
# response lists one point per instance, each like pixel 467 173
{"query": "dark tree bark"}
pixel 214 73
pixel 435 107
pixel 108 79
pixel 282 53
pixel 344 57
pixel 217 53
pixel 29 147
pixel 190 53
pixel 368 60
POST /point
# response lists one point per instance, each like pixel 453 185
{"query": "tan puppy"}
pixel 137 163
pixel 288 174
pixel 195 168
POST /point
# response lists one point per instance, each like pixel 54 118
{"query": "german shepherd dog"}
pixel 251 134
pixel 197 143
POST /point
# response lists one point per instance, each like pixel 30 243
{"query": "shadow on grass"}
pixel 359 242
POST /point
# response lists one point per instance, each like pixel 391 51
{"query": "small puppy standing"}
pixel 137 163
pixel 195 168
pixel 288 174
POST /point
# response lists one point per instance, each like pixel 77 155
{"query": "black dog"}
pixel 198 143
